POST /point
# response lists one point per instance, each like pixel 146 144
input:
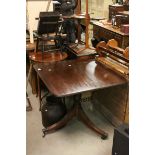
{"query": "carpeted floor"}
pixel 73 139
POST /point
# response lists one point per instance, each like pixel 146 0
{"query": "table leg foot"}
pixel 44 132
pixel 104 136
pixel 29 107
pixel 40 107
pixel 83 117
pixel 60 123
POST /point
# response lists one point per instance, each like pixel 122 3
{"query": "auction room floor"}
pixel 73 139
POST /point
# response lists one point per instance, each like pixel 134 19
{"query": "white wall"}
pixel 33 9
pixel 106 8
pixel 100 8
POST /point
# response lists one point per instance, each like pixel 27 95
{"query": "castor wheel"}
pixel 44 133
pixel 104 136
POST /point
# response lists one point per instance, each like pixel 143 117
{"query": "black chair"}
pixel 49 28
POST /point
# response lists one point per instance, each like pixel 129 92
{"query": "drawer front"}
pixel 123 41
pixel 96 31
pixel 106 34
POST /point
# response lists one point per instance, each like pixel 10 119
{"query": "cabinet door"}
pixel 96 32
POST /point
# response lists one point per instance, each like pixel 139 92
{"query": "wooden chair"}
pixel 49 29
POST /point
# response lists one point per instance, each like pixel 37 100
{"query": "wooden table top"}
pixel 71 77
pixel 47 56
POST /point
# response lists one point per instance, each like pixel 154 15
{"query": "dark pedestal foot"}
pixel 44 132
pixel 83 117
pixel 104 136
pixel 60 123
pixel 77 111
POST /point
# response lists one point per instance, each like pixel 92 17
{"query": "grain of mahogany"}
pixel 71 77
pixel 47 56
pixel 66 78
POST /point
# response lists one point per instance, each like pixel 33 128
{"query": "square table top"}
pixel 66 78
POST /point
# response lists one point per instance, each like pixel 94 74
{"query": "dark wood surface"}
pixel 108 32
pixel 39 57
pixel 47 56
pixel 67 78
pixel 73 77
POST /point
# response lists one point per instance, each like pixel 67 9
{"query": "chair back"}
pixel 48 22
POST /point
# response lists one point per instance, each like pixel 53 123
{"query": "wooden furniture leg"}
pixel 29 107
pixel 61 123
pixel 83 117
pixel 39 91
pixel 29 73
pixel 77 111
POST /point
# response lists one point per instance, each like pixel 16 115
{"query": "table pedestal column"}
pixel 75 111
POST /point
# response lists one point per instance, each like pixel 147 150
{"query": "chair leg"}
pixel 37 44
pixel 29 73
pixel 39 91
pixel 29 107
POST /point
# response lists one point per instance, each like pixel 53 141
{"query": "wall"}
pixel 99 8
pixel 33 8
pixel 106 8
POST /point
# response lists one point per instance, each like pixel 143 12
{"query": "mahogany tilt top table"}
pixel 71 78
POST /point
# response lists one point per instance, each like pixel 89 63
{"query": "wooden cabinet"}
pixel 113 9
pixel 106 32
